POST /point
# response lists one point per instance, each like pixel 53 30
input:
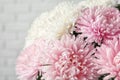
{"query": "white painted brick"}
pixel 2 78
pixel 16 44
pixel 5 70
pixel 21 35
pixel 7 1
pixel 2 61
pixel 45 5
pixel 2 43
pixel 12 78
pixel 27 17
pixel 41 7
pixel 16 8
pixel 8 36
pixel 11 62
pixel 1 8
pixel 30 1
pixel 8 54
pixel 5 18
pixel 1 27
pixel 18 26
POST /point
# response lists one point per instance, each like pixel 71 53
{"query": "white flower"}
pixel 54 24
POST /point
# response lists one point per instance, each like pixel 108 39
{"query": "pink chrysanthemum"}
pixel 30 60
pixel 99 23
pixel 27 65
pixel 108 59
pixel 69 59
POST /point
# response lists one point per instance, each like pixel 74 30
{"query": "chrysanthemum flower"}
pixel 99 23
pixel 27 64
pixel 66 59
pixel 108 59
pixel 53 24
pixel 69 59
pixel 31 59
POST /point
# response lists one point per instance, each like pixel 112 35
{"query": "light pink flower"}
pixel 31 59
pixel 108 59
pixel 27 67
pixel 69 59
pixel 99 23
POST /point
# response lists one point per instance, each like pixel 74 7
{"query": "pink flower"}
pixel 27 67
pixel 66 59
pixel 99 23
pixel 30 60
pixel 108 59
pixel 69 59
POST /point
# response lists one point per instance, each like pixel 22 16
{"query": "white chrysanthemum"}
pixel 52 24
pixel 57 22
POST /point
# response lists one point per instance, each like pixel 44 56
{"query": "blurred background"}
pixel 16 17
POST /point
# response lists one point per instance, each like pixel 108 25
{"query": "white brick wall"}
pixel 15 19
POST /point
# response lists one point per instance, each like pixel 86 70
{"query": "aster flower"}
pixel 59 57
pixel 108 59
pixel 69 59
pixel 55 23
pixel 31 59
pixel 99 24
pixel 27 65
pixel 52 24
pixel 66 59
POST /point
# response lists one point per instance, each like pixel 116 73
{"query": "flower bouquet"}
pixel 73 42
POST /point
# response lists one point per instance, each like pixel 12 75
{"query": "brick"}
pixel 2 61
pixel 5 18
pixel 21 35
pixel 7 36
pixel 11 62
pixel 17 27
pixel 2 77
pixel 41 7
pixel 1 27
pixel 30 1
pixel 2 44
pixel 5 70
pixel 47 5
pixel 1 8
pixel 7 1
pixel 12 78
pixel 8 54
pixel 16 44
pixel 16 8
pixel 27 17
